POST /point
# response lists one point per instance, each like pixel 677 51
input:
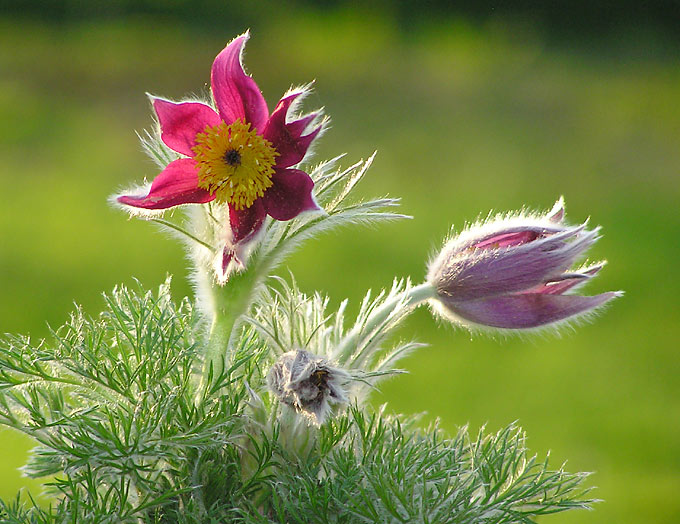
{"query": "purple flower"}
pixel 240 155
pixel 514 272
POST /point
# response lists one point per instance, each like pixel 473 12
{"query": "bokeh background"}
pixel 471 108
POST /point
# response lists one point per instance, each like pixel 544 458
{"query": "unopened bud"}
pixel 514 272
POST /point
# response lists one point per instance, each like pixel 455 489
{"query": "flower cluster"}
pixel 514 272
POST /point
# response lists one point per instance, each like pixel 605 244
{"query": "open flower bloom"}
pixel 239 155
pixel 514 273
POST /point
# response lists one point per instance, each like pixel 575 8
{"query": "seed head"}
pixel 308 383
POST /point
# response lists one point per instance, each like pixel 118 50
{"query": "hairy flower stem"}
pixel 230 302
pixel 401 304
pixel 409 299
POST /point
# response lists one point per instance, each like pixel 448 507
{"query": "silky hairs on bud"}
pixel 515 272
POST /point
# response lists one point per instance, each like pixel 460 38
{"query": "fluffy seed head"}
pixel 307 383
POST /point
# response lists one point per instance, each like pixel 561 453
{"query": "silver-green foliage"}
pixel 126 431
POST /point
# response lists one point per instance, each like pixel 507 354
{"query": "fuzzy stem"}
pixel 408 299
pixel 230 302
pixel 421 293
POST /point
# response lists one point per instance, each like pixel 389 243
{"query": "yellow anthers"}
pixel 234 163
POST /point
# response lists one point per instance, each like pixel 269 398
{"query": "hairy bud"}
pixel 514 272
pixel 307 383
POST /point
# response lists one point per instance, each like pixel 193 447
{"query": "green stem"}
pixel 231 301
pixel 421 293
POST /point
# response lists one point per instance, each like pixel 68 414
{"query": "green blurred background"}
pixel 470 109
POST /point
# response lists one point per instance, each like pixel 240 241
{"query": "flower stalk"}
pixel 356 345
pixel 229 303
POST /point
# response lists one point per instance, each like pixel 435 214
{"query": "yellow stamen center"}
pixel 234 163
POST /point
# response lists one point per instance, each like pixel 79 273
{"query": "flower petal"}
pixel 525 311
pixel 510 238
pixel 556 214
pixel 181 122
pixel 236 94
pixel 177 184
pixel 290 195
pixel 287 137
pixel 491 272
pixel 245 223
pixel 567 281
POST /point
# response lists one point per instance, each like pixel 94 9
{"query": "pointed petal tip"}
pixel 557 212
pixel 290 195
pixel 176 185
pixel 240 39
pixel 312 206
pixel 591 271
pixel 236 94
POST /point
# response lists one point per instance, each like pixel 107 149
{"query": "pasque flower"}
pixel 514 272
pixel 238 154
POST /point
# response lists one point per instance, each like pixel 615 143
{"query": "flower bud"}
pixel 513 272
pixel 307 383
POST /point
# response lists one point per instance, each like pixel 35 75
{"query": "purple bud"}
pixel 513 272
pixel 307 383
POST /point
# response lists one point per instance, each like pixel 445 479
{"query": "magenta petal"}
pixel 229 255
pixel 513 236
pixel 526 310
pixel 177 184
pixel 287 137
pixel 181 122
pixel 236 94
pixel 508 239
pixel 558 287
pixel 246 223
pixel 290 195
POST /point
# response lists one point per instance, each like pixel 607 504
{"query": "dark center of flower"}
pixel 232 157
pixel 318 377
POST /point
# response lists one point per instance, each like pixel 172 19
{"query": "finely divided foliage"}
pixel 113 405
pixel 249 404
pixel 129 436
